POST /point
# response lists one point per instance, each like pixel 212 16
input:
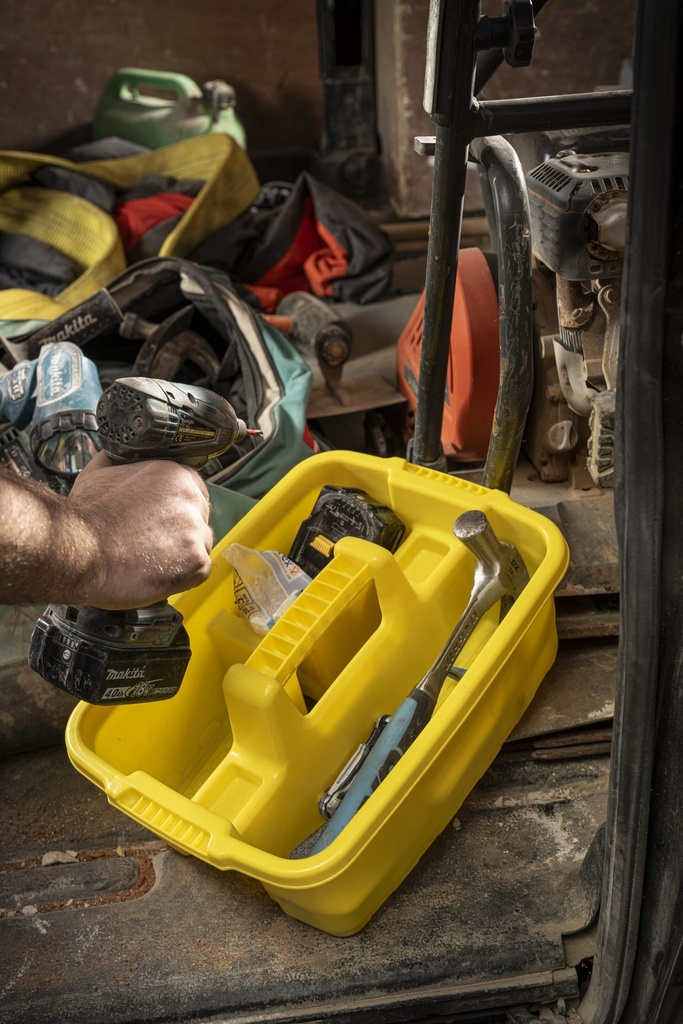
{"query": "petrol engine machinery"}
pixel 578 204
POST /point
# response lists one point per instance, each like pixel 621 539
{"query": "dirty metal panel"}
pixel 589 529
pixel 577 692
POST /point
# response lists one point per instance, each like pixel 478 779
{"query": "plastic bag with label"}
pixel 265 583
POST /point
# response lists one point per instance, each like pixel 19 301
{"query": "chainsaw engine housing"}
pixel 578 211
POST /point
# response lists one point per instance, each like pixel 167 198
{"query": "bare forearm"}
pixel 47 551
pixel 126 536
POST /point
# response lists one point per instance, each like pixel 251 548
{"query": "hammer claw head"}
pixel 497 560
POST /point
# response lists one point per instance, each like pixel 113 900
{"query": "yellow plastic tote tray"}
pixel 231 769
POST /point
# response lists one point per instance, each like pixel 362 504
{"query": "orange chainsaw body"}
pixel 473 361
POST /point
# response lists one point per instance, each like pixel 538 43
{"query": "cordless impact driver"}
pixel 141 654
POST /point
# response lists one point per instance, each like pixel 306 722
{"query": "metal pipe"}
pixel 456 71
pixel 550 113
pixel 541 113
pixel 513 234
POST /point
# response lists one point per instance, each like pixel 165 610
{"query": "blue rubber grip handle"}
pixel 405 724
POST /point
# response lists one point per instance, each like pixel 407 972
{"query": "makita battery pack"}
pixel 126 657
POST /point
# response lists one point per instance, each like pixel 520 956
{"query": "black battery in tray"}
pixel 343 512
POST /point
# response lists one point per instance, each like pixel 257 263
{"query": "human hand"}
pixel 147 524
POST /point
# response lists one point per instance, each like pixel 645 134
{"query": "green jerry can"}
pixel 157 108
